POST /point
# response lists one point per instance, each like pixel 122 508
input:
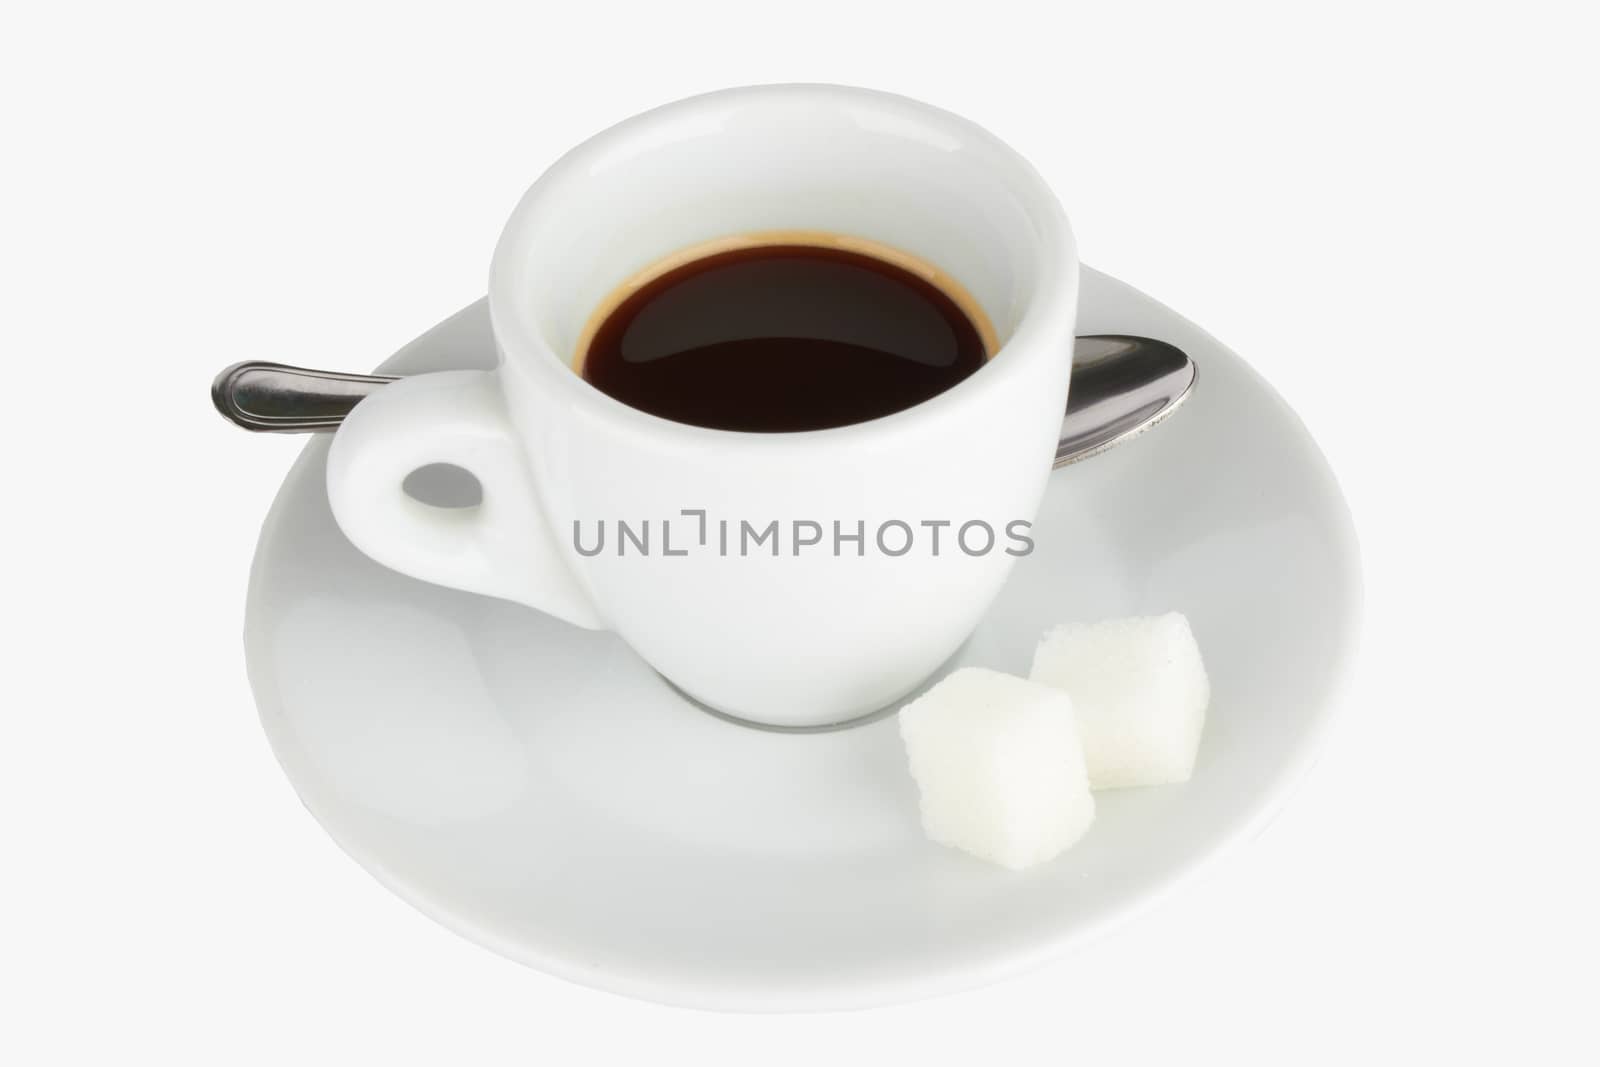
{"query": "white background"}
pixel 1389 209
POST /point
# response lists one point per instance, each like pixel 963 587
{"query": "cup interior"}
pixel 776 158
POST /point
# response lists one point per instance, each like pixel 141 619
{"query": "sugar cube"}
pixel 1139 691
pixel 998 765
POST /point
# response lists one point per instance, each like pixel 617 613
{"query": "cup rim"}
pixel 1047 314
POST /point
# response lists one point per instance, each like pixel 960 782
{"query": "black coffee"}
pixel 783 337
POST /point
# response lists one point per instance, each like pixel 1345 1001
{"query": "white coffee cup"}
pixel 819 633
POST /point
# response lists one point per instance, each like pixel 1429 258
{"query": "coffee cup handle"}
pixel 502 547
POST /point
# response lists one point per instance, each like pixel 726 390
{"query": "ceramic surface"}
pixel 788 636
pixel 538 788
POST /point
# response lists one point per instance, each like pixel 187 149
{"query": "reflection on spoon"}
pixel 1121 386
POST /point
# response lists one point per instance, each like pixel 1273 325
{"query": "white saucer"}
pixel 538 789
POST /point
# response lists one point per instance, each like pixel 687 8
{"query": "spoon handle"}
pixel 1121 385
pixel 275 398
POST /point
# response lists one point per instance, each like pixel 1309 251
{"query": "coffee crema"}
pixel 784 331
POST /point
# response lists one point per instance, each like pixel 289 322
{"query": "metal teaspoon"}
pixel 1121 386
